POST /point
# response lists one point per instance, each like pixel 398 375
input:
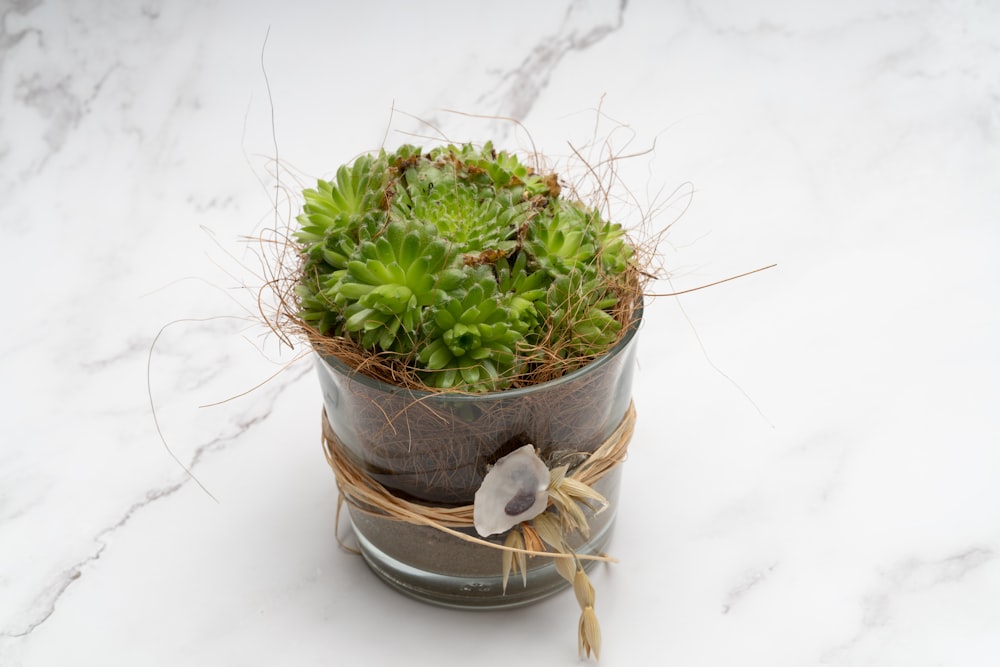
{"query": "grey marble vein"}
pixel 585 23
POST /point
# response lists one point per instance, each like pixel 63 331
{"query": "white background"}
pixel 814 478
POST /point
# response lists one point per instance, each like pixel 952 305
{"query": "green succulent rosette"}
pixel 461 262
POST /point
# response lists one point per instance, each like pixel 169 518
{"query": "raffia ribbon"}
pixel 358 489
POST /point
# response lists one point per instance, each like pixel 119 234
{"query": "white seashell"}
pixel 514 490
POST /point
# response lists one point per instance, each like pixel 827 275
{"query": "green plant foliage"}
pixel 580 327
pixel 462 262
pixel 394 277
pixel 471 337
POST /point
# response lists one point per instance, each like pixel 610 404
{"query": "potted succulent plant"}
pixel 474 332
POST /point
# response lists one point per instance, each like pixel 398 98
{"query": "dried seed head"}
pixel 582 493
pixel 583 588
pixel 566 567
pixel 512 562
pixel 590 634
pixel 557 475
pixel 570 513
pixel 532 542
pixel 548 528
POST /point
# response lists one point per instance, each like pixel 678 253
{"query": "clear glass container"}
pixel 435 448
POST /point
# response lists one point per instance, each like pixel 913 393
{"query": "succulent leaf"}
pixel 461 260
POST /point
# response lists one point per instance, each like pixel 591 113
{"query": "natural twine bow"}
pixel 365 494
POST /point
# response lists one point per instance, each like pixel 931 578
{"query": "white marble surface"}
pixel 815 479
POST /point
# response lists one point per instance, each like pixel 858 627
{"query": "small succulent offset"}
pixel 462 262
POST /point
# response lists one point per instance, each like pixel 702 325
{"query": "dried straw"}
pixel 365 494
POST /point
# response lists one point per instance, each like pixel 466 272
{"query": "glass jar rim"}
pixel 355 376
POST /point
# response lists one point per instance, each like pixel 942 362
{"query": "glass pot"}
pixel 435 448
